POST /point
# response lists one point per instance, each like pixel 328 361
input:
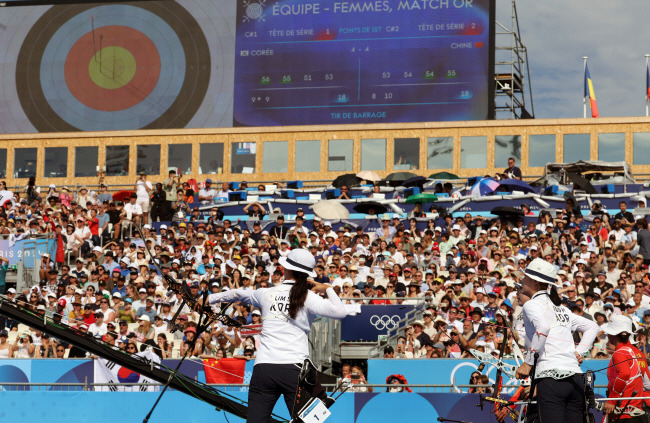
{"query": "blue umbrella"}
pixel 516 185
pixel 484 187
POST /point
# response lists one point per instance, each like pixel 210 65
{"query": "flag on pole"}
pixel 589 92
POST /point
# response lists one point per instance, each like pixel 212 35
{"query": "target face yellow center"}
pixel 112 67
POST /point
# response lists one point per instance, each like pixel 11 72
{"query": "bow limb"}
pixel 183 289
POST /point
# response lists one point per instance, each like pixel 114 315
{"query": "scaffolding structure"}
pixel 513 95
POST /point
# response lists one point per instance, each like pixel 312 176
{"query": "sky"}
pixel 558 33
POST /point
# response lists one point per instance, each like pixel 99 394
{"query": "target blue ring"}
pixel 170 81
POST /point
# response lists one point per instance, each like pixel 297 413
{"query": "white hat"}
pixel 142 290
pixel 480 290
pixel 231 264
pixel 618 324
pixel 542 271
pixel 117 294
pixel 438 228
pixel 126 260
pixel 455 228
pixel 163 226
pixel 581 261
pixel 147 226
pixel 630 302
pixel 396 216
pixel 299 260
pixel 145 318
pixel 97 249
pixel 11 291
pixel 256 313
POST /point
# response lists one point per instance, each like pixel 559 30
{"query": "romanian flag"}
pixel 224 371
pixel 589 92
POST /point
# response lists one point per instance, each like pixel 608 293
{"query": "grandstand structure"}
pixel 321 153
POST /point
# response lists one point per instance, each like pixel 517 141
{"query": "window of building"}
pixel 242 157
pixel 148 159
pixel 307 156
pixel 275 156
pixel 179 157
pixel 339 155
pixel 611 147
pixel 3 162
pixel 406 154
pixel 25 162
pixel 86 160
pixel 117 160
pixel 211 158
pixel 506 146
pixel 641 146
pixel 576 147
pixel 56 162
pixel 473 152
pixel 373 154
pixel 541 150
pixel 440 153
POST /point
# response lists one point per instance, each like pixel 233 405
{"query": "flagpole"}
pixel 647 88
pixel 584 97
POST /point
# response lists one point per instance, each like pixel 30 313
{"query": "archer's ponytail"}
pixel 554 296
pixel 298 293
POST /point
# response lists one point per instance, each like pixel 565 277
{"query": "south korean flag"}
pixel 110 376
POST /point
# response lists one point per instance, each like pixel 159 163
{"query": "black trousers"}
pixel 268 382
pixel 561 401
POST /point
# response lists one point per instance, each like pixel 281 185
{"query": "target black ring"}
pixel 178 115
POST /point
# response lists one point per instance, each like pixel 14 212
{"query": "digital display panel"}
pixel 332 62
pixel 96 66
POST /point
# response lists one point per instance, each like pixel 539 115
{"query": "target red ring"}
pixel 84 89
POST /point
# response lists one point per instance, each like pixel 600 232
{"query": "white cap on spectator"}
pixel 231 263
pixel 118 295
pixel 396 216
pixel 455 228
pixel 618 324
pixel 561 272
pixel 534 247
pixel 126 260
pixel 482 231
pixel 51 294
pixel 630 302
pixel 470 270
pixel 99 249
pixel 584 243
pixel 163 226
pixel 145 318
pixel 11 291
pixel 597 291
pixel 177 261
pixel 542 271
pixel 256 313
pixel 79 291
pixel 142 290
pixel 581 261
pixel 438 228
pixel 480 290
pixel 147 226
pixel 40 307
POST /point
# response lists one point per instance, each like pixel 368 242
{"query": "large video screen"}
pixel 224 63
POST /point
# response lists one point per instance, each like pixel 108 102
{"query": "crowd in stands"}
pixel 463 270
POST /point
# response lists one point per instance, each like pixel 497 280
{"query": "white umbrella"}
pixel 368 175
pixel 330 209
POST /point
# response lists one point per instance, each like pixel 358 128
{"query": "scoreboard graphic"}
pixel 361 62
pixel 81 66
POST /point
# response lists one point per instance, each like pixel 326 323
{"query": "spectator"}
pixel 512 171
pixel 6 350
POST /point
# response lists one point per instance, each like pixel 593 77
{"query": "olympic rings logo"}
pixel 385 321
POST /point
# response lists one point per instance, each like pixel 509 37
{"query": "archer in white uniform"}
pixel 283 341
pixel 549 327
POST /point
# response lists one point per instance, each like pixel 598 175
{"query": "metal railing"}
pixel 324 338
pixel 239 387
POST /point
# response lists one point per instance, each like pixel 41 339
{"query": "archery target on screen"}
pixel 95 67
